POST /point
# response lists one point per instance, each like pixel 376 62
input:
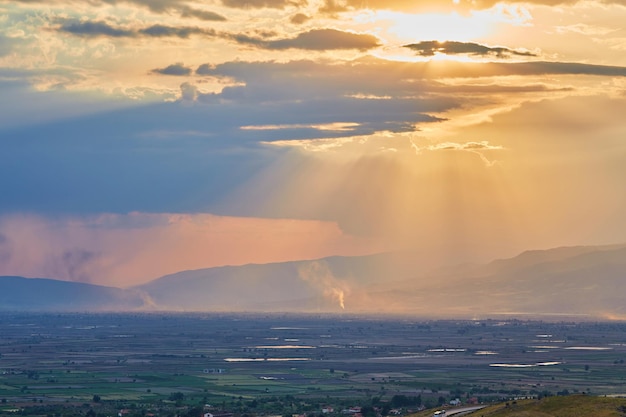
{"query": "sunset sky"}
pixel 144 137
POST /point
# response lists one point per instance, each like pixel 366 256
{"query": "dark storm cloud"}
pixel 316 39
pixel 174 69
pixel 430 48
pixel 308 80
pixel 195 151
pixel 100 28
pixel 189 155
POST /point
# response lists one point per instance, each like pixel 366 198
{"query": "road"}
pixel 463 410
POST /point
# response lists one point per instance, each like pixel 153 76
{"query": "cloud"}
pixel 129 249
pixel 174 69
pixel 326 39
pixel 335 6
pixel 299 18
pixel 91 28
pixel 158 6
pixel 202 14
pixel 205 69
pixel 154 5
pixel 191 155
pixel 315 39
pixel 311 90
pixel 189 92
pixel 454 69
pixel 537 68
pixel 274 4
pixel 430 48
pixel 467 146
pixel 329 6
pixel 171 31
pixel 163 6
pixel 6 45
pixel 332 7
pixel 100 28
pixel 476 148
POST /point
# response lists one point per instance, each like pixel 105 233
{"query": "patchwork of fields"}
pixel 281 363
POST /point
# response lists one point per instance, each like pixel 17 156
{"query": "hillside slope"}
pixel 567 406
pixel 40 294
pixel 585 282
pixel 578 281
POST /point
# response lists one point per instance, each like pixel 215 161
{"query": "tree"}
pixel 96 399
pixel 177 397
pixel 368 411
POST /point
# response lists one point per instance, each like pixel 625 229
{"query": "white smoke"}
pixel 318 274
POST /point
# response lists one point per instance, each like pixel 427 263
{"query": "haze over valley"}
pixel 582 283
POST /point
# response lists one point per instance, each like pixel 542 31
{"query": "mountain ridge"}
pixel 577 280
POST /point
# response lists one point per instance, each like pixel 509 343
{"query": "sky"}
pixel 144 137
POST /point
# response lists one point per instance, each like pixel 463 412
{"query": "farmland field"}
pixel 282 363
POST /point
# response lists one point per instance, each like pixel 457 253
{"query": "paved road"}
pixel 463 410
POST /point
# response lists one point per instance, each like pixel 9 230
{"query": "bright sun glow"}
pixel 436 26
pixel 446 26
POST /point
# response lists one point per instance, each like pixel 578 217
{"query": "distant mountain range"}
pixel 571 281
pixel 38 294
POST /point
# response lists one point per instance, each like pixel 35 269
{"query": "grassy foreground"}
pixel 560 406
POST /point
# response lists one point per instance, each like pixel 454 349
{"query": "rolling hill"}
pixel 584 282
pixel 562 406
pixel 38 294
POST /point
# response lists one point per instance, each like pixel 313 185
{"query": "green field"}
pixel 277 365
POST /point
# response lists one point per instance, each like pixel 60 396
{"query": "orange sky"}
pixel 141 137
